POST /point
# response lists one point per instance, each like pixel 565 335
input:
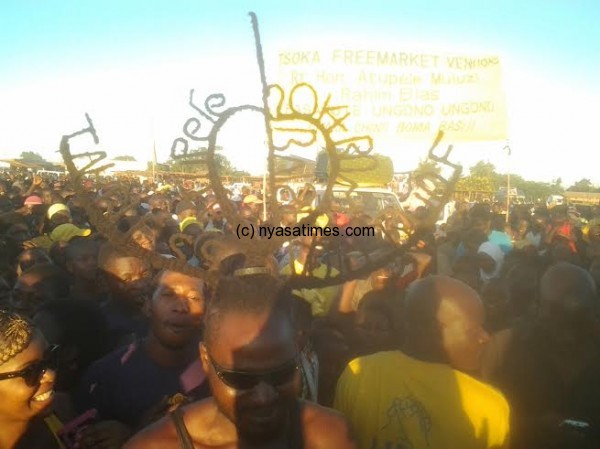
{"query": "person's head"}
pixel 47 196
pixel 595 271
pixel 288 215
pixel 466 269
pixel 6 204
pixel 57 214
pixel 128 278
pixel 30 258
pixel 490 258
pixel 57 254
pixel 116 201
pixel 18 233
pixel 253 203
pixel 374 326
pixel 495 298
pixel 58 185
pixel 498 223
pixel 66 232
pixel 421 213
pixel 159 203
pixel 215 213
pixel 145 237
pixel 4 292
pixel 249 215
pixel 191 226
pixel 523 288
pixel 82 258
pixel 161 221
pixel 176 309
pixel 310 250
pixel 186 209
pixel 37 285
pixel 27 367
pixel 103 204
pixel 558 215
pixel 82 340
pixel 195 228
pixel 126 223
pixel 444 323
pixel 539 222
pixel 522 228
pixel 250 354
pixel 594 232
pixel 132 213
pixel 381 277
pixel 568 306
pixel 32 203
pixel 472 240
pixel 561 252
pixel 480 218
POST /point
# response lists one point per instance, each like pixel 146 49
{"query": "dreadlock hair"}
pixel 252 295
pixel 16 333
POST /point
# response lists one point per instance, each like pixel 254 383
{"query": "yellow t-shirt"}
pixel 320 299
pixel 55 425
pixel 396 402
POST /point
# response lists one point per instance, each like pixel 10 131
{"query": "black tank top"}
pixel 182 433
pixel 296 440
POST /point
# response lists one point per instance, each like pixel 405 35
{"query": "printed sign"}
pixel 398 95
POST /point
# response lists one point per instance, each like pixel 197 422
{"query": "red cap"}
pixel 33 200
pixel 341 220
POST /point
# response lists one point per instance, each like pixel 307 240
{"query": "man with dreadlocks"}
pixel 250 355
pixel 26 384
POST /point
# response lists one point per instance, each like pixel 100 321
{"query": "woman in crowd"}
pixel 27 375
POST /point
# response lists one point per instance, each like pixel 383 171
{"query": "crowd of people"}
pixel 484 334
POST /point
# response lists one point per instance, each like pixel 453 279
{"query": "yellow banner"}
pixel 405 96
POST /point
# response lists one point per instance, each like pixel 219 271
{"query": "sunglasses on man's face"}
pixel 246 380
pixel 33 373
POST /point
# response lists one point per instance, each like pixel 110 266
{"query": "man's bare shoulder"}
pixel 326 428
pixel 163 434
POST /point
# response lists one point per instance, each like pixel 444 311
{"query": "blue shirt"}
pixel 127 383
pixel 502 239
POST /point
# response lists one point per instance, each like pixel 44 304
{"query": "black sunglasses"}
pixel 32 374
pixel 246 380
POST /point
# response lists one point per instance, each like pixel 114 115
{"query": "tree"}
pixel 30 156
pixel 124 158
pixel 583 185
pixel 483 170
pixel 557 184
pixel 426 166
pixel 485 179
pixel 196 162
pixel 480 184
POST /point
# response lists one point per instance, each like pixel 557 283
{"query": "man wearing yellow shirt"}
pixel 320 299
pixel 422 397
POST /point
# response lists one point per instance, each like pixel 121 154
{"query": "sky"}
pixel 131 65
